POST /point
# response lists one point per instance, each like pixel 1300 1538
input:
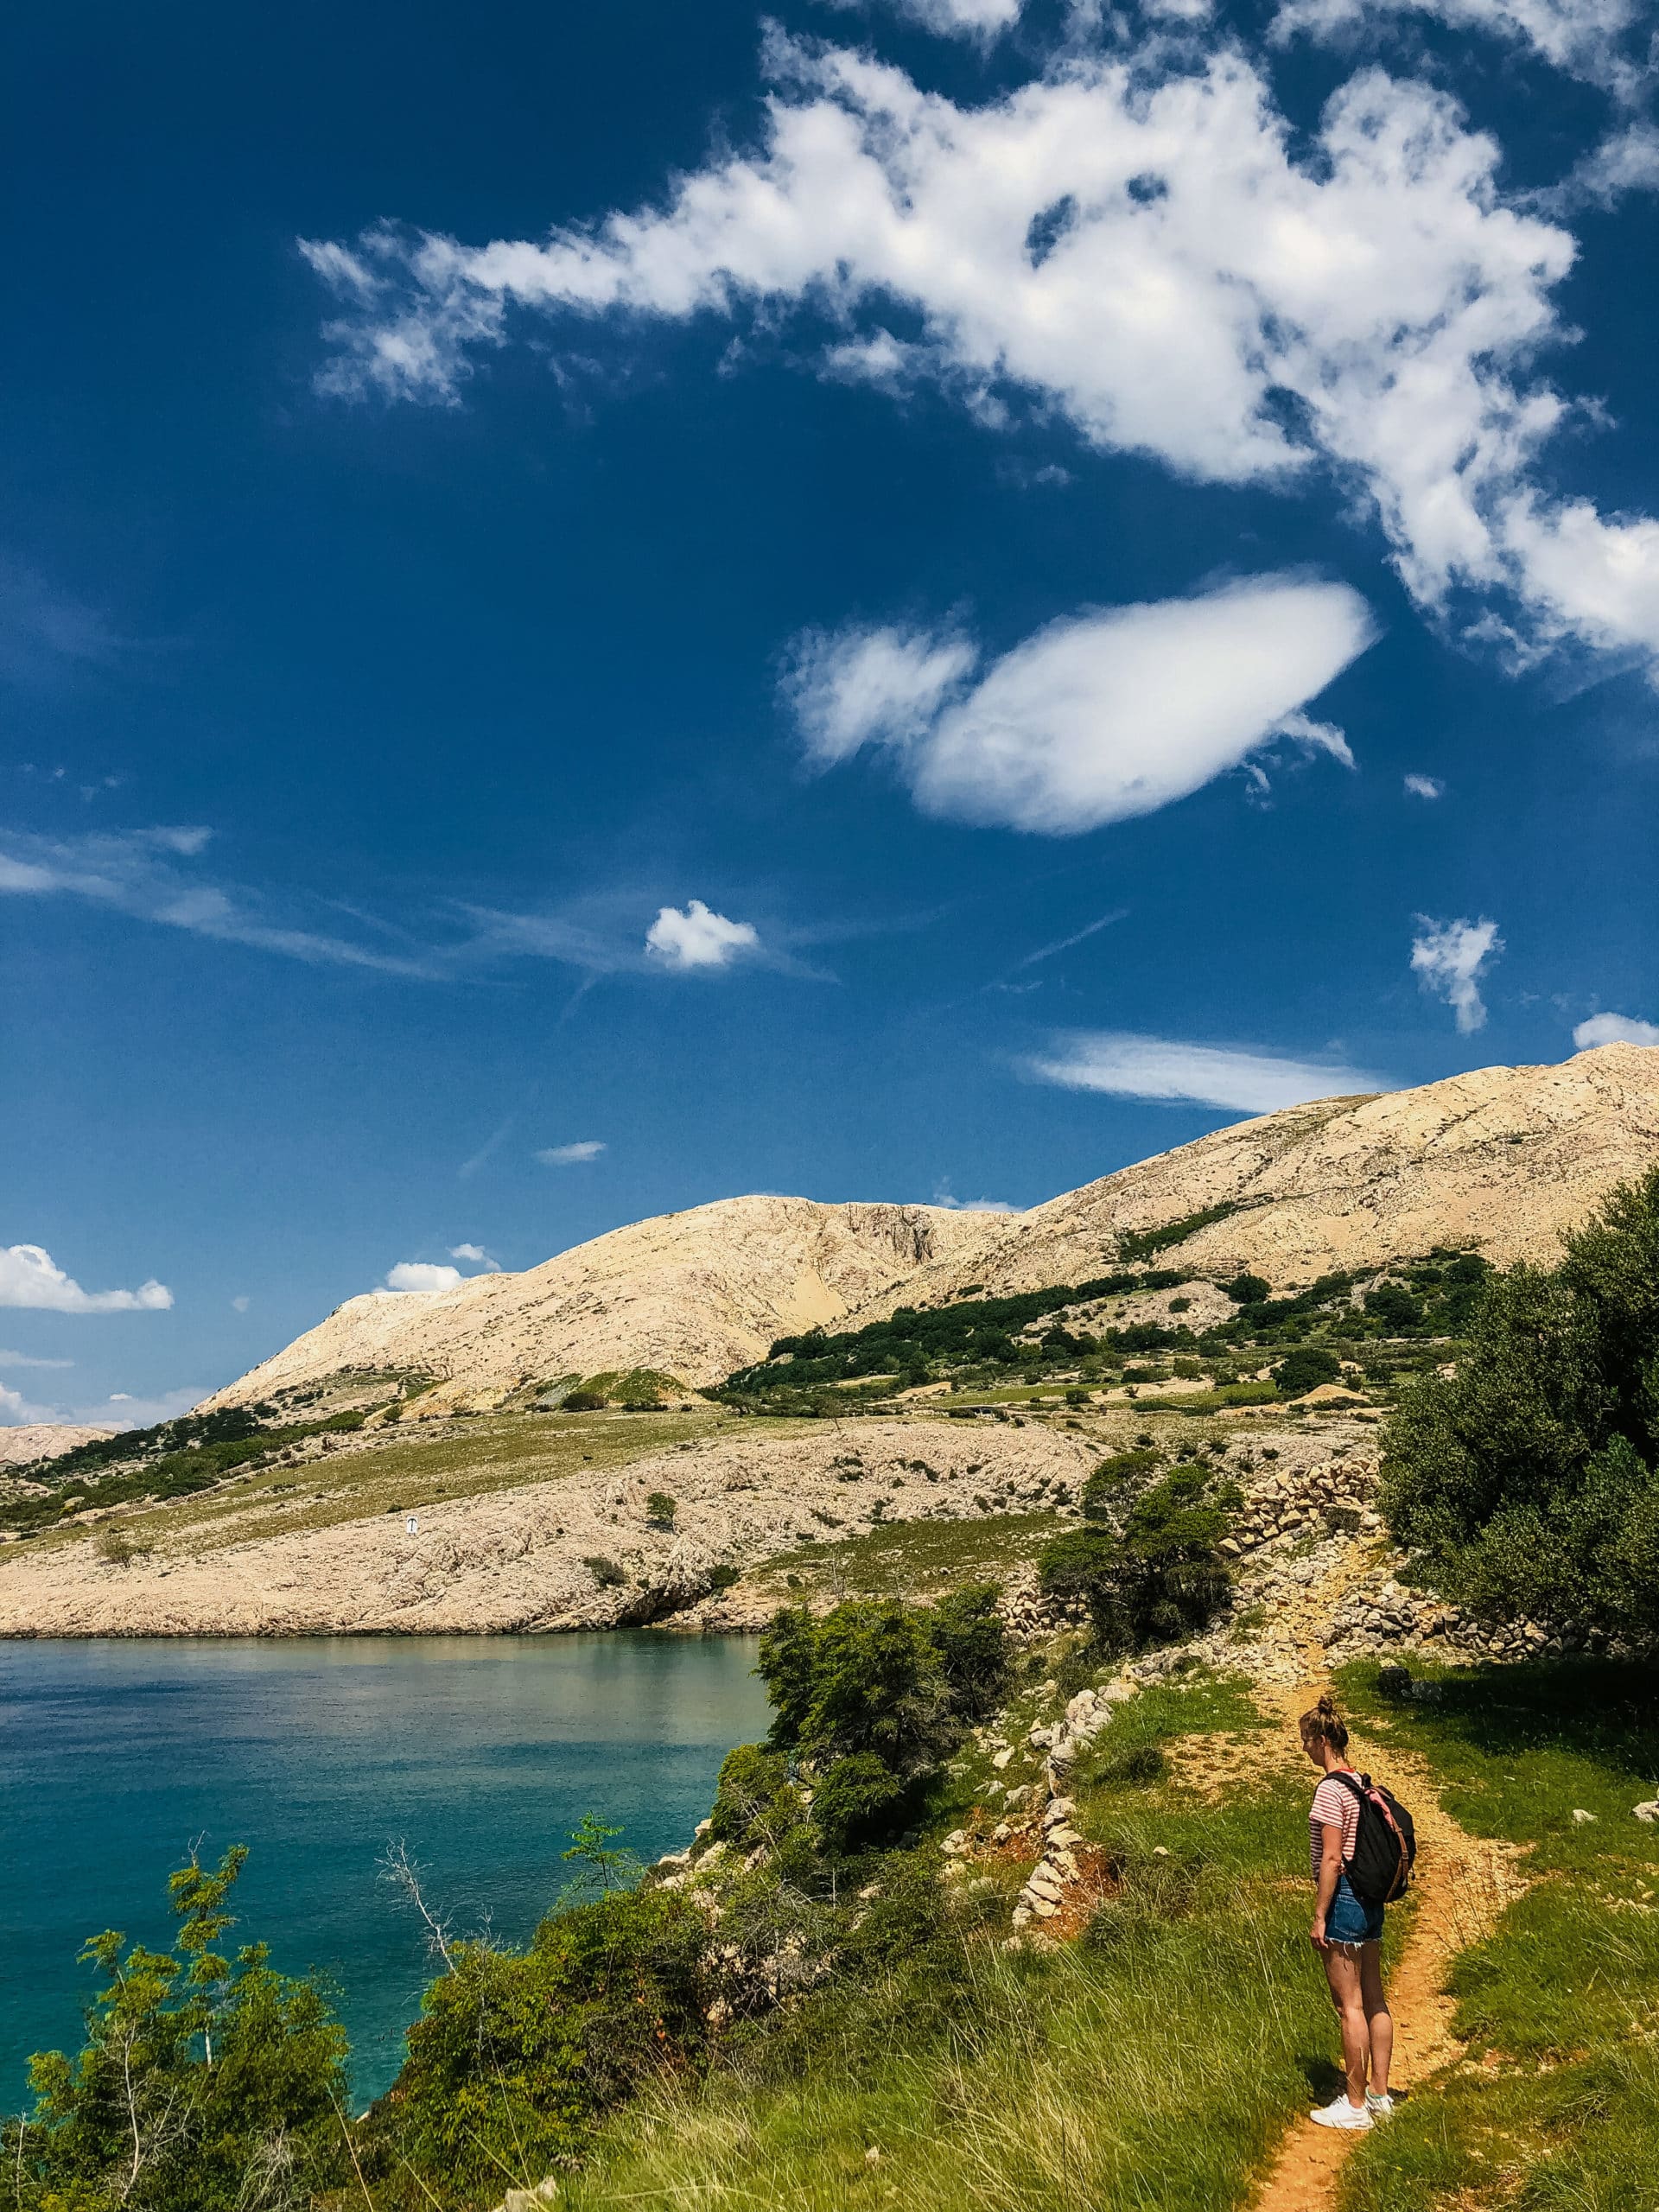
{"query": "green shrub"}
pixel 1306 1368
pixel 1248 1290
pixel 586 1401
pixel 516 2054
pixel 192 2069
pixel 857 1801
pixel 661 1509
pixel 972 1643
pixel 1163 1577
pixel 605 1572
pixel 1528 1479
pixel 1103 1489
pixel 752 1799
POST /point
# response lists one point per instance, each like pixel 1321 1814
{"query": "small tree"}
pixel 1164 1577
pixel 203 2085
pixel 1306 1368
pixel 1528 1480
pixel 661 1509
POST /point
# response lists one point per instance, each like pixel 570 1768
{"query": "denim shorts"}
pixel 1351 1920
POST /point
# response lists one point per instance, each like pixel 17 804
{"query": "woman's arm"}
pixel 1330 1869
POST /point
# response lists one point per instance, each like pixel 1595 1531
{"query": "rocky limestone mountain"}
pixel 1502 1159
pixel 44 1440
pixel 693 1294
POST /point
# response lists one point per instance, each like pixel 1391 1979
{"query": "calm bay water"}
pixel 479 1753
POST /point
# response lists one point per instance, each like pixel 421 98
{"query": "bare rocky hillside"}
pixel 1504 1159
pixel 693 1295
pixel 43 1440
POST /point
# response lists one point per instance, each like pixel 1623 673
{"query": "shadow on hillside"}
pixel 1603 1709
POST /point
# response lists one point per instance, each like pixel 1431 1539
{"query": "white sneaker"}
pixel 1340 2113
pixel 1379 2107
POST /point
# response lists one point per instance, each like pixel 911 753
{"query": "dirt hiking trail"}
pixel 1463 1884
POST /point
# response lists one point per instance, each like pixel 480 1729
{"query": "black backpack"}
pixel 1385 1842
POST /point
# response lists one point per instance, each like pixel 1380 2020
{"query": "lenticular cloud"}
pixel 1096 719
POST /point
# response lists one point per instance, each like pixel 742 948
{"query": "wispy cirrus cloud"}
pixel 575 1155
pixel 144 874
pixel 1170 1070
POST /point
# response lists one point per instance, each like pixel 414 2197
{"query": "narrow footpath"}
pixel 1464 1882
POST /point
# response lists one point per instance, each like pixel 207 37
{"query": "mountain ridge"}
pixel 1500 1159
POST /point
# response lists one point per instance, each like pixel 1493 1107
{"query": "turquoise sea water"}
pixel 479 1753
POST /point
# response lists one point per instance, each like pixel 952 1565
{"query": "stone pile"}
pixel 1089 1712
pixel 1380 1614
pixel 1331 1496
pixel 1046 1885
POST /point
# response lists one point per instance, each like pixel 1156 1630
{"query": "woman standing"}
pixel 1347 1933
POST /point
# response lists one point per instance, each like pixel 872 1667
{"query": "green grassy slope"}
pixel 1556 2106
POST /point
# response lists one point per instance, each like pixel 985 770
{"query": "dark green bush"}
pixel 876 1675
pixel 1529 1478
pixel 1163 1577
pixel 972 1644
pixel 605 1572
pixel 1306 1368
pixel 586 1401
pixel 1248 1290
pixel 857 1801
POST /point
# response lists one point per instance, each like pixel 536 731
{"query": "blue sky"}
pixel 604 608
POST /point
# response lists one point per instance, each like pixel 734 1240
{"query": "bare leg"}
pixel 1378 2019
pixel 1342 1972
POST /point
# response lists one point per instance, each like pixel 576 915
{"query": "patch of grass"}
pixel 911 1558
pixel 1559 2105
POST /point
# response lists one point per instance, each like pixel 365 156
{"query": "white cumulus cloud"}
pixel 1614 1029
pixel 571 1156
pixel 28 1276
pixel 1094 719
pixel 1449 958
pixel 478 1255
pixel 1425 786
pixel 695 936
pixel 945 1197
pixel 1167 1069
pixel 1139 244
pixel 423 1275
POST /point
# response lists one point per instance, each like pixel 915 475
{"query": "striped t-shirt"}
pixel 1335 1806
